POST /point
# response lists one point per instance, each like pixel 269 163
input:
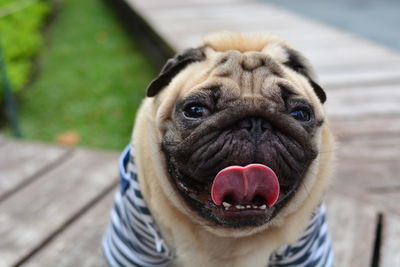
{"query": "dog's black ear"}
pixel 173 67
pixel 299 64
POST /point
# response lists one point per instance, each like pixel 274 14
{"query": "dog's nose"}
pixel 254 125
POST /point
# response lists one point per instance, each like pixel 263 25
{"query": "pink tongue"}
pixel 242 184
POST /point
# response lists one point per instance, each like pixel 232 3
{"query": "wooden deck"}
pixel 55 201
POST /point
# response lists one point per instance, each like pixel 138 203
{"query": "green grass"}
pixel 20 37
pixel 91 81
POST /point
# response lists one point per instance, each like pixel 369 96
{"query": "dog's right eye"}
pixel 195 111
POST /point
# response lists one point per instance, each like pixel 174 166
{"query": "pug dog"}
pixel 233 154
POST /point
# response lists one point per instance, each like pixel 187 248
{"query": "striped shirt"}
pixel 133 239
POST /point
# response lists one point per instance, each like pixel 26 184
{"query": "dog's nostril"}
pixel 254 124
pixel 245 124
pixel 265 125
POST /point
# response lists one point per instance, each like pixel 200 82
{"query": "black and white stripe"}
pixel 313 249
pixel 133 239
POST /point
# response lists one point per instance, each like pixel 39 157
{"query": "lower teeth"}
pixel 228 206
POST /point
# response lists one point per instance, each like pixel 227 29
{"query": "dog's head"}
pixel 240 123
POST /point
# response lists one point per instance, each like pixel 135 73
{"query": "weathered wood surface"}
pixel 390 245
pixel 373 127
pixel 350 223
pixel 364 101
pixel 368 165
pixel 325 46
pixel 33 215
pixel 363 75
pixel 23 162
pixel 78 245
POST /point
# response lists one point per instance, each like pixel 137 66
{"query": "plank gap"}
pixel 356 84
pixel 384 189
pixel 42 244
pixel 39 173
pixel 375 261
pixel 368 135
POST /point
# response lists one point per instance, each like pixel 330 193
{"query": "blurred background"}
pixel 377 20
pixel 78 75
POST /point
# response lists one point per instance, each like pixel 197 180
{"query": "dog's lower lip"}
pixel 242 213
pixel 233 213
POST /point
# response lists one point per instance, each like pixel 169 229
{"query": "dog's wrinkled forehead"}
pixel 254 64
pixel 248 74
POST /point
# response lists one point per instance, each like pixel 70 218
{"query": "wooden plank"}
pixel 362 160
pixel 384 199
pixel 379 127
pixel 364 101
pixel 372 177
pixel 374 183
pixel 21 162
pixel 362 75
pixel 367 168
pixel 41 209
pixel 369 149
pixel 250 16
pixel 352 226
pixel 390 245
pixel 78 245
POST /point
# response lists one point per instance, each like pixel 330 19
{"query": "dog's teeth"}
pixel 226 208
pixel 255 207
pixel 240 207
pixel 263 207
pixel 226 204
pixel 248 206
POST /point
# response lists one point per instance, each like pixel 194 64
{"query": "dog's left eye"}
pixel 301 115
pixel 195 111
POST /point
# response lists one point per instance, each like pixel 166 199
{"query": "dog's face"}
pixel 240 131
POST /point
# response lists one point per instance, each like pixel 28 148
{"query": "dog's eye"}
pixel 301 115
pixel 195 111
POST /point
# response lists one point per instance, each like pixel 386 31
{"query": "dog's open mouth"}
pixel 238 196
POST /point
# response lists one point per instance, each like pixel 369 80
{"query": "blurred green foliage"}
pixel 91 81
pixel 21 37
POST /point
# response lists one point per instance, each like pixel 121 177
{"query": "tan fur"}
pixel 195 241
